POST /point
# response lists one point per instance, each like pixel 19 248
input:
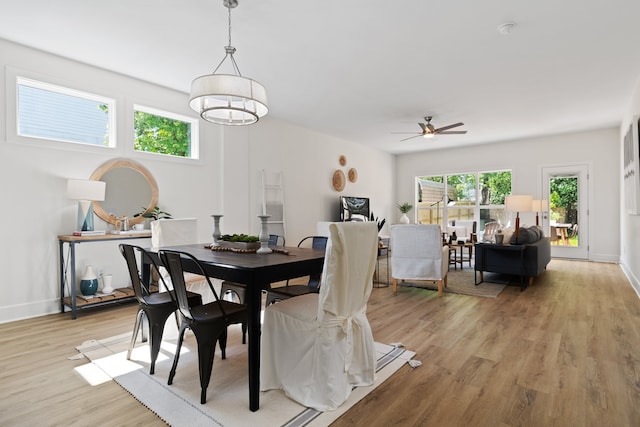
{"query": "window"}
pixel 50 112
pixel 444 198
pixel 165 133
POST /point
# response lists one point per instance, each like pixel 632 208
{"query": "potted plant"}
pixel 155 214
pixel 404 207
pixel 379 222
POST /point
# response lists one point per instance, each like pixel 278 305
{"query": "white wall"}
pixel 599 149
pixel 226 180
pixel 630 224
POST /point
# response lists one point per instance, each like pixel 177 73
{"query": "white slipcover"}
pixel 417 253
pixel 175 232
pixel 317 347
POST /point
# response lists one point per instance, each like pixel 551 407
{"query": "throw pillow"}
pixel 525 236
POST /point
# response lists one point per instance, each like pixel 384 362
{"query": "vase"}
pixel 404 219
pixel 89 282
pixel 264 235
pixel 216 230
pixel 106 283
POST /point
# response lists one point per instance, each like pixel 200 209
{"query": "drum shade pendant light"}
pixel 228 99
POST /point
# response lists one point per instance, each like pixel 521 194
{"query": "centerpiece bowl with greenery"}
pixel 243 242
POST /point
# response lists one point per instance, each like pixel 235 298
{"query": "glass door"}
pixel 566 189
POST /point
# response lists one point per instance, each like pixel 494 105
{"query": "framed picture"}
pixel 631 173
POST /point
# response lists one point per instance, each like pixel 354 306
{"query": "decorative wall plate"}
pixel 343 160
pixel 338 180
pixel 353 175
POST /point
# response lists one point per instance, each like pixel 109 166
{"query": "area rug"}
pixel 460 281
pixel 228 392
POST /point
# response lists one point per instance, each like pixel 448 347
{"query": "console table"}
pixel 74 301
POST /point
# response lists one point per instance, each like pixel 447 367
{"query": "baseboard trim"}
pixel 12 313
pixel 633 280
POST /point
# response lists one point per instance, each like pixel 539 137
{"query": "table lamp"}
pixel 85 192
pixel 539 206
pixel 518 203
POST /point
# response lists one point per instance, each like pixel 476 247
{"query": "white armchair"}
pixel 317 347
pixel 417 253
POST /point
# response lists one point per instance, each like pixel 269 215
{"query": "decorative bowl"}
pixel 246 246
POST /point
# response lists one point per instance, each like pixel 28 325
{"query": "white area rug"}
pixel 228 392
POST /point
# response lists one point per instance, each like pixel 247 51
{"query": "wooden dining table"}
pixel 257 272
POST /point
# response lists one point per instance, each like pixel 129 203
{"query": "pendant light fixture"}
pixel 228 99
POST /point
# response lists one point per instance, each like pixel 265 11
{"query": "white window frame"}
pixel 38 84
pixel 195 131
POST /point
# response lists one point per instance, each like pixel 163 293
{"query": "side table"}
pixel 514 252
pixel 383 252
pixel 461 258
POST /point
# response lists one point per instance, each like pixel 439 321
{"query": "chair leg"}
pixel 206 338
pixel 394 283
pixel 172 374
pixel 440 287
pixel 134 337
pixel 156 329
pixel 222 339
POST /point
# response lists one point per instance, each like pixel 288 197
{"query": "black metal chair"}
pixel 208 322
pixel 156 306
pixel 275 240
pixel 313 285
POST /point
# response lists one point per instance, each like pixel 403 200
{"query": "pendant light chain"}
pixel 229 9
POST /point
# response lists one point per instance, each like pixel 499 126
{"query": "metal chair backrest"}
pixel 173 262
pixel 130 254
pixel 317 242
pixel 274 239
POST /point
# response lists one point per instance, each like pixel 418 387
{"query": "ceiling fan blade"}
pixel 423 127
pixel 452 132
pixel 431 128
pixel 405 133
pixel 455 125
pixel 411 137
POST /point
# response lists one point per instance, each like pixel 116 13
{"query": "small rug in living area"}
pixel 461 281
pixel 228 392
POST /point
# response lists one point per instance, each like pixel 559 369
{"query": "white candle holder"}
pixel 216 230
pixel 264 235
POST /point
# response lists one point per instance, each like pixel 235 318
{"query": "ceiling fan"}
pixel 429 131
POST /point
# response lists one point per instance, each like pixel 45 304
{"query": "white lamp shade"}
pixel 518 203
pixel 82 189
pixel 227 99
pixel 539 205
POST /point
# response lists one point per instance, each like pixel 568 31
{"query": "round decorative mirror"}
pixel 130 188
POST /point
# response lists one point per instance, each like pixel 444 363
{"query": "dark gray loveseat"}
pixel 527 260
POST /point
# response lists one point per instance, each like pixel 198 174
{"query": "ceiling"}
pixel 360 70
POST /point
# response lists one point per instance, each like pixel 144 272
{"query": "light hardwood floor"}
pixel 565 352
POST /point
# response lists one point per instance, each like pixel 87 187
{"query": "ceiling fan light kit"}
pixel 429 130
pixel 506 28
pixel 228 99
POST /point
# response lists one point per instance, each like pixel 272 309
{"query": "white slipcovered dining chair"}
pixel 417 253
pixel 317 347
pixel 175 232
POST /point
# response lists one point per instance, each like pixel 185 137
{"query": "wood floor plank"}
pixel 563 352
